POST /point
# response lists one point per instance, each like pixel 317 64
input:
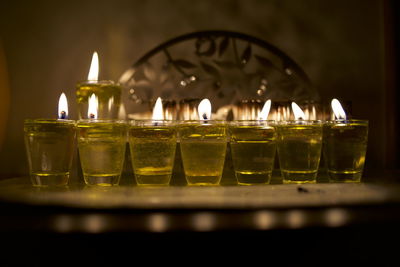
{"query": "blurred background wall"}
pixel 48 47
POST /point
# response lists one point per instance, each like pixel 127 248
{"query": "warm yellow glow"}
pixel 94 68
pixel 93 105
pixel 158 113
pixel 298 113
pixel 204 109
pixel 63 107
pixel 263 115
pixel 338 110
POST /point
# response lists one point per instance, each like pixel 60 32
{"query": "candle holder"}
pixel 152 146
pixel 108 94
pixel 203 149
pixel 253 146
pixel 49 145
pixel 101 145
pixel 299 150
pixel 345 146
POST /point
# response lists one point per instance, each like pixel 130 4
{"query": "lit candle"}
pixel 203 147
pixel 204 110
pixel 263 115
pixel 93 107
pixel 153 144
pixel 108 93
pixel 338 110
pixel 298 112
pixel 345 146
pixel 63 107
pixel 299 148
pixel 158 113
pixel 50 146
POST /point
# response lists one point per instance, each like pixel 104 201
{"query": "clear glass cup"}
pixel 253 147
pixel 299 150
pixel 108 94
pixel 152 145
pixel 50 146
pixel 203 149
pixel 102 145
pixel 345 147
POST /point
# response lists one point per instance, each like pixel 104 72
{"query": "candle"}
pixel 253 146
pixel 108 93
pixel 49 145
pixel 101 146
pixel 345 146
pixel 299 148
pixel 152 145
pixel 203 147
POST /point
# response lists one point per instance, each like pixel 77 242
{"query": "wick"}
pixel 63 115
pixel 91 116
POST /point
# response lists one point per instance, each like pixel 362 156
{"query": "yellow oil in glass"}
pixel 345 146
pixel 49 146
pixel 203 150
pixel 153 153
pixel 102 152
pixel 109 98
pixel 253 153
pixel 299 152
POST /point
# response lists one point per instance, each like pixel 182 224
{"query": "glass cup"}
pixel 345 147
pixel 253 146
pixel 299 150
pixel 203 150
pixel 108 94
pixel 152 145
pixel 102 145
pixel 49 145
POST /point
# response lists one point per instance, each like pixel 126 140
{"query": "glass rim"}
pixel 150 122
pixel 106 82
pixel 205 122
pixel 347 121
pixel 303 122
pixel 42 120
pixel 86 121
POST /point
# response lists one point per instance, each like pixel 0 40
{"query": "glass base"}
pixel 299 177
pixel 344 176
pixel 203 180
pixel 45 179
pixel 102 180
pixel 153 180
pixel 253 178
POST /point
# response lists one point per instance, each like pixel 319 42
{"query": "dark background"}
pixel 346 47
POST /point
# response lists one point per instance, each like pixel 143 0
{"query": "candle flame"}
pixel 204 109
pixel 94 68
pixel 158 113
pixel 263 115
pixel 298 113
pixel 63 107
pixel 93 105
pixel 338 110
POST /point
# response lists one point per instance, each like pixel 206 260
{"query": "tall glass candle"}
pixel 108 94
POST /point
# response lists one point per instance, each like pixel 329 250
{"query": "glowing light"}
pixel 204 109
pixel 93 105
pixel 298 113
pixel 63 107
pixel 158 113
pixel 263 115
pixel 94 68
pixel 338 110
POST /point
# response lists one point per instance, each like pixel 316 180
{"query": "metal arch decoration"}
pixel 223 65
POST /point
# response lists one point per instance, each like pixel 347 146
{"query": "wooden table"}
pixel 354 218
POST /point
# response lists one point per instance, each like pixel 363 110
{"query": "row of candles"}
pixel 203 143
